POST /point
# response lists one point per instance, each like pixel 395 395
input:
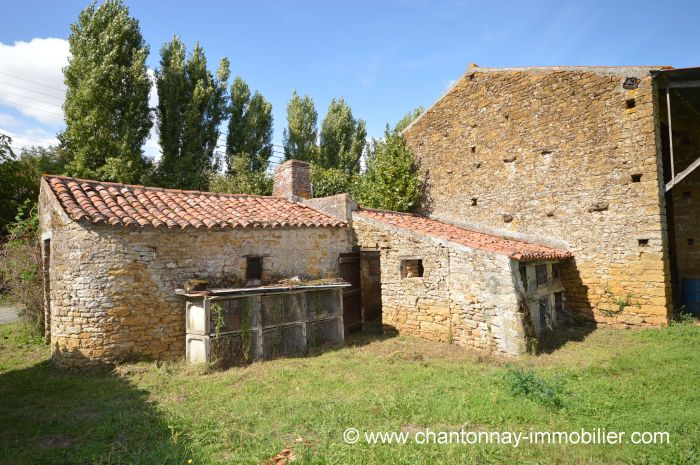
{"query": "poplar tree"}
pixel 192 103
pixel 342 139
pixel 249 129
pixel 106 107
pixel 301 134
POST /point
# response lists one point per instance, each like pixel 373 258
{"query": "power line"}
pixel 32 82
pixel 30 107
pixel 55 105
pixel 32 90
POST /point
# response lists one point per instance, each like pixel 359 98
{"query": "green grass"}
pixel 641 380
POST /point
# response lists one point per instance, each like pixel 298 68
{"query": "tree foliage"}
pixel 241 180
pixel 20 180
pixel 342 139
pixel 301 133
pixel 249 129
pixel 391 181
pixel 106 107
pixel 6 152
pixel 191 105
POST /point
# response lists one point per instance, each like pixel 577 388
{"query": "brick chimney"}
pixel 293 180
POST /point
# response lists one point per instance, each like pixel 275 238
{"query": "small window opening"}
pixel 523 274
pixel 636 178
pixel 474 201
pixel 631 83
pixel 541 274
pixel 691 241
pixel 556 271
pixel 643 242
pixel 412 268
pixel 473 147
pixel 253 271
pixel 630 103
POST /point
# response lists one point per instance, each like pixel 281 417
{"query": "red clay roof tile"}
pixel 514 248
pixel 122 204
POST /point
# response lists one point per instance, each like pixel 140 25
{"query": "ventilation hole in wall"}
pixel 507 218
pixel 643 242
pixel 636 178
pixel 506 116
pixel 474 201
pixel 473 147
pixel 550 213
pixel 630 103
pixel 691 241
pixel 510 159
pixel 546 151
pixel 687 195
pixel 412 268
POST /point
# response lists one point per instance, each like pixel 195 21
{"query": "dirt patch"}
pixel 56 441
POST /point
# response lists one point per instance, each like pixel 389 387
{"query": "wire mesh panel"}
pixel 283 341
pixel 279 309
pixel 322 304
pixel 234 349
pixel 233 315
pixel 324 332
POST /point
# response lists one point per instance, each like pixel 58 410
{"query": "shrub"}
pixel 527 384
pixel 20 268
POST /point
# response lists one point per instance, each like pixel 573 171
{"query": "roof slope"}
pixel 126 205
pixel 514 248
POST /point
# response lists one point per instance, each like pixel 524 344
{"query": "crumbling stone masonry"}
pixel 556 153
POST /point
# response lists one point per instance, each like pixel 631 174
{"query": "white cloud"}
pixel 24 135
pixel 31 78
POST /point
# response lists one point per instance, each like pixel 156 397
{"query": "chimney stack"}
pixel 293 180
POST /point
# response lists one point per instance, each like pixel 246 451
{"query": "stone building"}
pixel 581 157
pixel 551 195
pixel 115 254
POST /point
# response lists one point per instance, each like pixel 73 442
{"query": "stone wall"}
pixel 112 287
pixel 466 297
pixel 551 153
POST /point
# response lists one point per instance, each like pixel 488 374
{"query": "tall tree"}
pixel 6 152
pixel 301 134
pixel 106 108
pixel 342 138
pixel 391 181
pixel 191 105
pixel 249 129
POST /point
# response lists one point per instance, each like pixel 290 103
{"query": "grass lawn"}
pixel 147 413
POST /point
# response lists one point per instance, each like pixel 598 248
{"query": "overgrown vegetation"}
pixel 528 384
pixel 637 380
pixel 20 268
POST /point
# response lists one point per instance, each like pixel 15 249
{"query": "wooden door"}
pixel 352 296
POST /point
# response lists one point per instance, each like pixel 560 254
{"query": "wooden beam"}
pixel 682 174
pixel 679 84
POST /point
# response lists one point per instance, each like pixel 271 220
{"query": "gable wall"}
pixel 550 153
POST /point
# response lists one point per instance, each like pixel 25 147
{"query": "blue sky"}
pixel 384 57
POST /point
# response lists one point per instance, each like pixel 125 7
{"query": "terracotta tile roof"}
pixel 126 205
pixel 515 249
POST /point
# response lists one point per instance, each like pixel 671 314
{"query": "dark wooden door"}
pixel 352 296
pixel 371 286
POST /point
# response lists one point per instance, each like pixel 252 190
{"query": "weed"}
pixel 527 384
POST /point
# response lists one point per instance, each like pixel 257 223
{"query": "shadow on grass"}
pixel 556 339
pixel 53 416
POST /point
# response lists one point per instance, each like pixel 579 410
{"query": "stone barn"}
pixel 601 160
pixel 115 254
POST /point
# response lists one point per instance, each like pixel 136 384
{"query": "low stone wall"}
pixel 466 297
pixel 112 288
